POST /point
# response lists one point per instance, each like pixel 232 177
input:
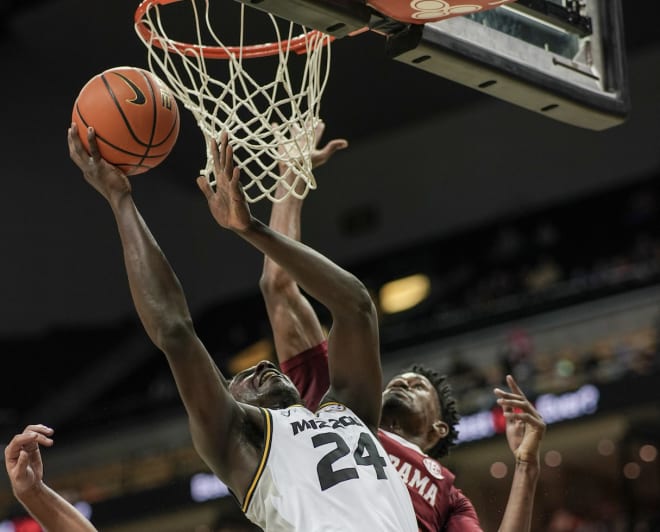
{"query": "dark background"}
pixel 428 159
pixel 438 178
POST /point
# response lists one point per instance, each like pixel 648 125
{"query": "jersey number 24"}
pixel 365 454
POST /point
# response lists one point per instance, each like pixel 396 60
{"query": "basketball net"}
pixel 270 123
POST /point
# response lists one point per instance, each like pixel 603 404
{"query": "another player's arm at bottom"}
pixel 525 429
pixel 25 470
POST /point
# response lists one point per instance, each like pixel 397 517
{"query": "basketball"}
pixel 134 115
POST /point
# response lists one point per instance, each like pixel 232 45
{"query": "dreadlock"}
pixel 448 410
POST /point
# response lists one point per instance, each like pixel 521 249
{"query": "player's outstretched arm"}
pixel 294 322
pixel 525 429
pixel 25 470
pixel 353 350
pixel 297 331
pixel 213 414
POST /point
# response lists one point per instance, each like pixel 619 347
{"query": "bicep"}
pixel 294 322
pixel 202 387
pixel 308 370
pixel 463 516
pixel 463 523
pixel 354 365
pixel 213 413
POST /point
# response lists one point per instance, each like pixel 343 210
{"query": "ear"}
pixel 442 428
pixel 439 430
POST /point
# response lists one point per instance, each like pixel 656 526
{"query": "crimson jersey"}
pixel 439 505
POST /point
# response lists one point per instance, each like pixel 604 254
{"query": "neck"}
pixel 391 424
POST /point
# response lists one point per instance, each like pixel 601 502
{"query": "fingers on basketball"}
pixel 135 117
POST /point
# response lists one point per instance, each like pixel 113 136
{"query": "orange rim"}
pixel 299 44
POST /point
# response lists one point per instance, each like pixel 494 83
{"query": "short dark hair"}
pixel 448 410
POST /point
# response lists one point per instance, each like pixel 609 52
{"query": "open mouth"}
pixel 397 390
pixel 269 373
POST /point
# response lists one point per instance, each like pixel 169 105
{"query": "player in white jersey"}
pixel 317 458
pixel 419 413
pixel 239 441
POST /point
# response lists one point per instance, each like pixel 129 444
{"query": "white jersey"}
pixel 326 471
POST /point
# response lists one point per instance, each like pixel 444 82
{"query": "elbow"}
pixel 359 305
pixel 173 334
pixel 365 302
pixel 275 282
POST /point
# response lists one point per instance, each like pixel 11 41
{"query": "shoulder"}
pixel 293 411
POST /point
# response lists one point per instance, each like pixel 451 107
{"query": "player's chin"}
pixel 395 399
pixel 280 394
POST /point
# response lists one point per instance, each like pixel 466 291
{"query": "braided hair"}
pixel 448 410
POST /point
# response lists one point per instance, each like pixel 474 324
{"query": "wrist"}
pixel 283 168
pixel 30 493
pixel 528 465
pixel 117 197
pixel 251 226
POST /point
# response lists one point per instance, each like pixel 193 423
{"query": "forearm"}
pixel 355 374
pixel 162 307
pixel 519 509
pixel 296 327
pixel 285 219
pixel 53 512
pixel 285 214
pixel 277 286
pixel 333 286
pixel 156 291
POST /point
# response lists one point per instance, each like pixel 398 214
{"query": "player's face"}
pixel 264 385
pixel 411 403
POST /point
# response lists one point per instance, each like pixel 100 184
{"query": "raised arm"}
pixel 25 470
pixel 296 327
pixel 524 430
pixel 353 351
pixel 215 417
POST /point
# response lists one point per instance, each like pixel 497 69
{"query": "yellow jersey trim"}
pixel 264 458
pixel 328 403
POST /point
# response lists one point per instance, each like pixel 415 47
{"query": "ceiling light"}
pixel 553 458
pixel 648 453
pixel 606 447
pixel 403 294
pixel 631 470
pixel 498 470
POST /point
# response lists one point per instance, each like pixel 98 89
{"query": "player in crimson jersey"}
pixel 418 412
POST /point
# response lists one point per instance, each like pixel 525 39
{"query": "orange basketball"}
pixel 135 117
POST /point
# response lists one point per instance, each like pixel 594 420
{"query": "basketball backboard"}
pixel 564 59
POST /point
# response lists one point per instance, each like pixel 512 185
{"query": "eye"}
pixel 244 375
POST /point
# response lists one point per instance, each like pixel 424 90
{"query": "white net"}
pixel 270 119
